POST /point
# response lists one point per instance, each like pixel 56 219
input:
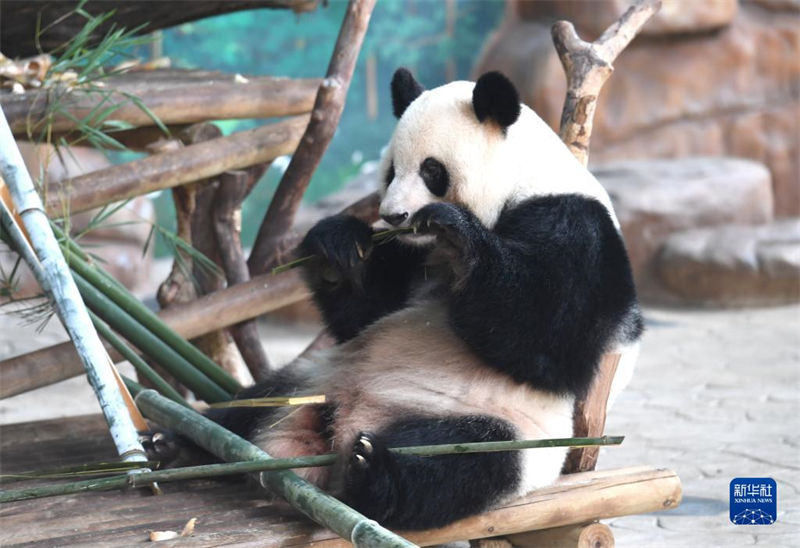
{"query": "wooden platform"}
pixel 229 513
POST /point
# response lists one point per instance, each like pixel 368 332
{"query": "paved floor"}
pixel 716 396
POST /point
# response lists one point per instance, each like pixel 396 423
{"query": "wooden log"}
pixel 229 306
pixel 328 107
pixel 589 535
pixel 589 416
pixel 19 20
pixel 573 499
pixel 177 167
pixel 175 98
pixel 227 221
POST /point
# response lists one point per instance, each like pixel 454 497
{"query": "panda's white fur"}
pixel 413 361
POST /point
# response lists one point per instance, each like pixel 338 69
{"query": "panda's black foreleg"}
pixel 353 281
pixel 412 492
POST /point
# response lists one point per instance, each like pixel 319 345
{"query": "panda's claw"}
pixel 363 445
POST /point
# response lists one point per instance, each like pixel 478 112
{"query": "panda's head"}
pixel 472 144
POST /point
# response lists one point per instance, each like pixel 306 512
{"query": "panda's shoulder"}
pixel 560 216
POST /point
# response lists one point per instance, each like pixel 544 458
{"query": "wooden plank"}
pixel 231 513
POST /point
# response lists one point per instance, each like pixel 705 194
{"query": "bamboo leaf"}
pixel 270 402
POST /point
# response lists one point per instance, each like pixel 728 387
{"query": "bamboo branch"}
pixel 324 119
pixel 587 66
pixel 173 97
pixel 54 277
pixel 170 169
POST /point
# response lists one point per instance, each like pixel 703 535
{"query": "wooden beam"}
pixel 588 535
pixel 176 167
pixel 226 307
pixel 573 499
pixel 173 96
pixel 18 20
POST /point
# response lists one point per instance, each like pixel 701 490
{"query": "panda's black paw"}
pixel 341 243
pixel 451 224
pixel 163 446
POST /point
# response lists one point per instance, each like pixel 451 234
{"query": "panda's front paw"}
pixel 340 243
pixel 451 224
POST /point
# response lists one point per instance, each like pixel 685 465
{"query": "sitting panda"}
pixel 483 324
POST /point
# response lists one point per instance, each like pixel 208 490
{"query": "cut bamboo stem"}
pixel 141 366
pixel 54 277
pixel 319 506
pixel 143 315
pixel 170 169
pixel 139 336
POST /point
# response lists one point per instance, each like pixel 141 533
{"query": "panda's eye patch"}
pixel 389 174
pixel 435 175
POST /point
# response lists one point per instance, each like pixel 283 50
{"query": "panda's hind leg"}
pixel 412 492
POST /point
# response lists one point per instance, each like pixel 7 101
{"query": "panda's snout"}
pixel 395 219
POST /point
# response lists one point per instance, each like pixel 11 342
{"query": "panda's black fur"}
pixel 535 300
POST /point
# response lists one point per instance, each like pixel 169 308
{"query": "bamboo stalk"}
pixel 143 315
pixel 319 506
pixel 308 461
pixel 138 363
pixel 151 345
pixel 170 169
pixel 54 276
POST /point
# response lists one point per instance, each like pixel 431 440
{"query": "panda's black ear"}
pixel 495 97
pixel 404 90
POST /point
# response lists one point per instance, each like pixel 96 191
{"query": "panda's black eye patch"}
pixel 435 175
pixel 389 175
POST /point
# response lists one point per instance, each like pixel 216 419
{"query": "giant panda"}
pixel 484 323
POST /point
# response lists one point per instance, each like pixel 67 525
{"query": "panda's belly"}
pixel 411 363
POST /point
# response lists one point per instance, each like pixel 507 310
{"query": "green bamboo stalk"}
pixel 99 484
pixel 143 479
pixel 131 305
pixel 319 506
pixel 148 343
pixel 138 363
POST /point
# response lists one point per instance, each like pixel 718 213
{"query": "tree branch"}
pixel 324 120
pixel 587 66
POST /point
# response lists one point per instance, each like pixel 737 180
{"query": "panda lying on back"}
pixel 484 324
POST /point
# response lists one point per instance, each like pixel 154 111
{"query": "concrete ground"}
pixel 715 397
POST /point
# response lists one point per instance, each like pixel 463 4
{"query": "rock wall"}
pixel 706 78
